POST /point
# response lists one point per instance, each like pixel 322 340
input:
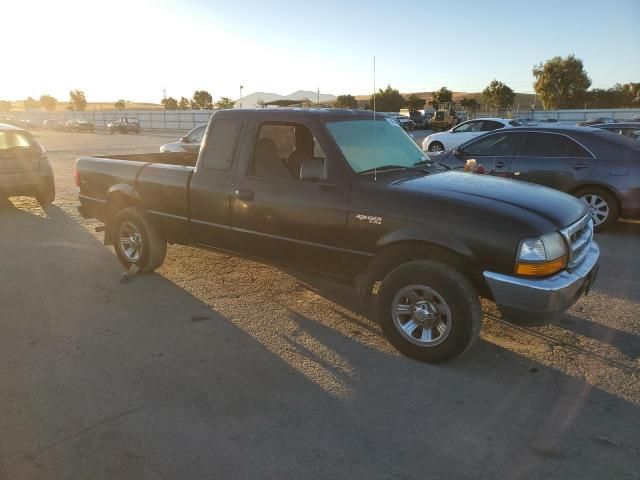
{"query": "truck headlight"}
pixel 542 256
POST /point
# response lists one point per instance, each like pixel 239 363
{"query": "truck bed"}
pixel 159 180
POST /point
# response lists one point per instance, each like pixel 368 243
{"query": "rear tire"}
pixel 602 205
pixel 439 301
pixel 137 241
pixel 48 195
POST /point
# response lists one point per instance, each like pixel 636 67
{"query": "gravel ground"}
pixel 216 367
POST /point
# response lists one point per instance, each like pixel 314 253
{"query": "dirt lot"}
pixel 222 368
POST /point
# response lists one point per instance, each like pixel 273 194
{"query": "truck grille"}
pixel 578 236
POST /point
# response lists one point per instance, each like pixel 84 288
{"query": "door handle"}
pixel 499 164
pixel 246 195
pixel 579 166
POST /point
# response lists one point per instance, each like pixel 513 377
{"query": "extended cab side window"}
pixel 221 144
pixel 281 148
pixel 551 145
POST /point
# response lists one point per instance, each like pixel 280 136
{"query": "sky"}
pixel 135 49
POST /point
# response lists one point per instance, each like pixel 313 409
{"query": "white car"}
pixel 438 142
pixel 189 143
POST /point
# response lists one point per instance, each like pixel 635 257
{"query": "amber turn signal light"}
pixel 541 269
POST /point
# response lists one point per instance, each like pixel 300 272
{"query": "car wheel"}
pixel 429 311
pixel 136 241
pixel 46 196
pixel 435 147
pixel 602 205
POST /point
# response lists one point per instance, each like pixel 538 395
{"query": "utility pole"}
pixel 318 102
pixel 241 86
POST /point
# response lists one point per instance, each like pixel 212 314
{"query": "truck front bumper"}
pixel 551 295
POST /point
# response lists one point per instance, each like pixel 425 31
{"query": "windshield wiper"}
pixel 431 162
pixel 384 168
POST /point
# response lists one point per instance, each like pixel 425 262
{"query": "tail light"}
pixel 76 177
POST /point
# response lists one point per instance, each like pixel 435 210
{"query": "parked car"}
pixel 24 166
pixel 548 120
pixel 53 124
pixel 419 119
pixel 594 121
pixel 634 119
pixel 405 122
pixel 308 189
pixel 438 142
pixel 22 123
pixel 601 169
pixel 124 125
pixel 189 143
pixel 79 126
pixel 628 129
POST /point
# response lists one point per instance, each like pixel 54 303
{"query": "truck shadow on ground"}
pixel 147 380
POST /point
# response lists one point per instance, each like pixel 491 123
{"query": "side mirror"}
pixel 311 169
pixel 457 153
pixel 185 140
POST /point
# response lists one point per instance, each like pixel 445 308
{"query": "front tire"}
pixel 436 147
pixel 137 241
pixel 602 205
pixel 429 311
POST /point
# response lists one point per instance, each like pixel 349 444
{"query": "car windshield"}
pixel 369 144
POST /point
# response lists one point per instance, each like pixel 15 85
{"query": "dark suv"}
pixel 24 167
pixel 601 169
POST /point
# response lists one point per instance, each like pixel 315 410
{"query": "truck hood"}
pixel 557 207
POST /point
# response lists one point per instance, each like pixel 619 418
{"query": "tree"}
pixel 78 101
pixel 388 100
pixel 120 104
pixel 31 103
pixel 202 100
pixel 470 103
pixel 561 82
pixel 48 102
pixel 169 103
pixel 498 95
pixel 413 102
pixel 184 103
pixel 224 103
pixel 443 95
pixel 345 101
pixel 5 105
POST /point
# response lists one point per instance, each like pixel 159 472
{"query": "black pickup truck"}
pixel 349 194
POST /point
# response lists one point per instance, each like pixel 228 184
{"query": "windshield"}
pixel 368 144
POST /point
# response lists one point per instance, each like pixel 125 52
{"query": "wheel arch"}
pixel 119 197
pixel 601 186
pixel 401 250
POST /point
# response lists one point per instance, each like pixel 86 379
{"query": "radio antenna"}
pixel 375 167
